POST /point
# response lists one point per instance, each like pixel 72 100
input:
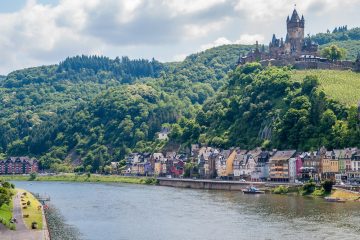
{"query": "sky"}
pixel 43 32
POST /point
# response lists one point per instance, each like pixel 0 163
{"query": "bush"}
pixel 151 181
pixel 280 190
pixel 28 203
pixel 33 176
pixel 327 185
pixel 308 188
pixel 319 192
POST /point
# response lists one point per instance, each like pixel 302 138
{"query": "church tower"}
pixel 295 32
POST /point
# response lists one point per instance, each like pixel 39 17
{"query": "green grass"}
pixel 6 215
pixel 342 86
pixel 32 210
pixel 83 178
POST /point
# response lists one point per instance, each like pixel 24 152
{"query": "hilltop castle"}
pixel 295 50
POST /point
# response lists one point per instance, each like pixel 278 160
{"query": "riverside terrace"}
pixel 342 165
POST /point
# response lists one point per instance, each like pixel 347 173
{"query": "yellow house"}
pixel 334 165
pixel 230 164
pixel 325 166
pixel 157 168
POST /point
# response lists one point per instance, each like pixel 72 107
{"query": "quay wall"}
pixel 208 184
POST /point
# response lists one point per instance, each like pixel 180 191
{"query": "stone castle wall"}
pixel 302 65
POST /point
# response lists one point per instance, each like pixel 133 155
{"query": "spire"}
pixel 288 19
pixel 273 39
pixel 302 18
pixel 295 16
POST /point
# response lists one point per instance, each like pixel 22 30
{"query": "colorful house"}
pixel 279 165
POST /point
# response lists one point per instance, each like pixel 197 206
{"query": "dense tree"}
pixel 333 53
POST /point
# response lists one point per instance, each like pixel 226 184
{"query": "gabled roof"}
pixel 283 155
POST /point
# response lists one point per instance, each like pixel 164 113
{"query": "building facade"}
pixel 19 165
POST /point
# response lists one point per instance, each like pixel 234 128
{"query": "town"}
pixel 342 165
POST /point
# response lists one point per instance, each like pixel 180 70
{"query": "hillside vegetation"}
pixel 342 86
pixel 88 111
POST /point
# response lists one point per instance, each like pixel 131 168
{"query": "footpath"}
pixel 22 232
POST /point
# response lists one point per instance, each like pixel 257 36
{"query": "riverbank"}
pixel 31 209
pixel 6 213
pixel 82 178
pixel 345 195
pixel 58 229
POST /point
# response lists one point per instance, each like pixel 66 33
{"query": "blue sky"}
pixel 42 32
pixel 15 5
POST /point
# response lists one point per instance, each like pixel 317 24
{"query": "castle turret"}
pixel 295 31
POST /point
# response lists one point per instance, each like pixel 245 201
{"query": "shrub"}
pixel 28 203
pixel 280 190
pixel 33 176
pixel 151 181
pixel 327 185
pixel 308 188
pixel 319 192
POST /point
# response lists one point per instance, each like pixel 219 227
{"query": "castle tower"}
pixel 295 31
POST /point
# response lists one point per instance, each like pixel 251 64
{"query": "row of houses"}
pixel 251 165
pixel 159 164
pixel 278 165
pixel 18 165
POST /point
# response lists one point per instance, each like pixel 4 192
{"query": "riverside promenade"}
pixel 218 184
pixel 22 232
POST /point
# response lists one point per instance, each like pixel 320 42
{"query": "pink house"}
pixel 299 165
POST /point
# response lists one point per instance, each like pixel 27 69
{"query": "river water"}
pixel 123 211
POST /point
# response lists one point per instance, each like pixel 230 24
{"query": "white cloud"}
pixel 201 30
pixel 186 6
pixel 179 57
pixel 250 39
pixel 41 34
pixel 244 39
pixel 218 42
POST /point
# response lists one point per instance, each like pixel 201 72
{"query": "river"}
pixel 127 212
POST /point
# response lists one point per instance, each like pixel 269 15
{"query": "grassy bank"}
pixel 345 195
pixel 6 215
pixel 83 178
pixel 31 209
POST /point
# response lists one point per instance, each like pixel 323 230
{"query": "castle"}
pixel 295 50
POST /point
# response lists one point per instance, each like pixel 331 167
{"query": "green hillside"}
pixel 342 86
pixel 87 111
pixel 352 48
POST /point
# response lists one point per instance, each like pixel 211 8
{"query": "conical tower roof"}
pixel 295 16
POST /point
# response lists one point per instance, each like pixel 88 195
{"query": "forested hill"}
pixel 342 37
pixel 70 110
pixel 88 111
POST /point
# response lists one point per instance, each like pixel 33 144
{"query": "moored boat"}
pixel 332 199
pixel 252 190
